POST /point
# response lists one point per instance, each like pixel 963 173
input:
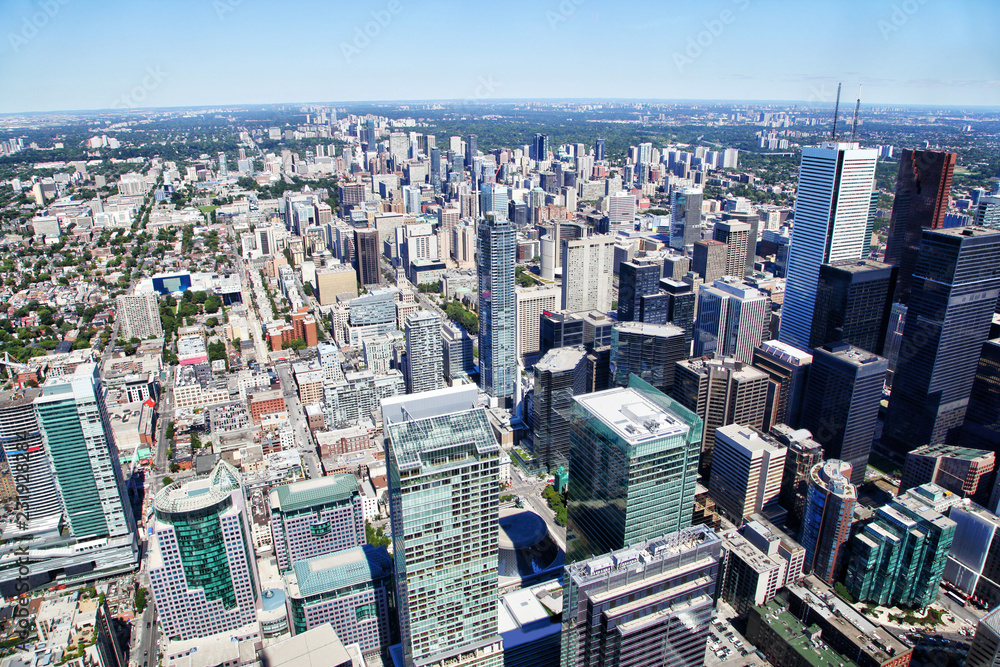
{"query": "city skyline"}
pixel 193 58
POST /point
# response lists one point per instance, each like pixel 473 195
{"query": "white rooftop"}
pixel 631 415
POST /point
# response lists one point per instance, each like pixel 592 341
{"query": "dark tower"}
pixel 853 301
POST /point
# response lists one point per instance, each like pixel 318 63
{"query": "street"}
pixel 297 419
pixel 530 489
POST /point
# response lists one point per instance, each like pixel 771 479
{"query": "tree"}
pixel 212 304
pixel 297 344
pixel 307 288
pixel 376 536
pixel 140 596
pixel 216 351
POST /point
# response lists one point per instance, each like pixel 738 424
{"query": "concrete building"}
pixel 424 364
pixel 788 369
pixel 139 315
pixel 961 470
pixel 530 304
pixel 747 468
pixel 559 376
pixel 985 649
pixel 733 319
pixel 587 274
pixel 333 281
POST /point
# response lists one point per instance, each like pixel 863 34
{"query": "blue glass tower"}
pixel 497 353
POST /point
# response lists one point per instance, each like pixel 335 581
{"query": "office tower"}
pixel 139 315
pixel 826 522
pixel 685 219
pixel 955 288
pixel 635 281
pixel 709 260
pixel 680 307
pixel 371 136
pixel 654 308
pixel 788 369
pixel 350 590
pixel 853 303
pixel 650 351
pixel 37 493
pixel 456 346
pixel 894 338
pixel 802 456
pixel 733 318
pixel 988 212
pixel 720 392
pixel 444 471
pixel 497 351
pixel 960 470
pixel 202 569
pixel 424 365
pixel 985 649
pixel 842 402
pixel 315 517
pixel 559 376
pixel 530 304
pixel 540 147
pixel 747 469
pixel 435 155
pixel 599 150
pixel 621 208
pixel 736 236
pixel 587 274
pixel 471 149
pixel 831 216
pixel 923 190
pixel 618 612
pixel 616 437
pixel 752 220
pixel 982 420
pixel 898 558
pixel 411 199
pixel 366 246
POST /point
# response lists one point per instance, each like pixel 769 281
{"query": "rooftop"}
pixel 317 647
pixel 199 493
pixel 631 415
pixel 562 359
pixel 951 452
pixel 801 639
pixel 341 569
pixel 314 492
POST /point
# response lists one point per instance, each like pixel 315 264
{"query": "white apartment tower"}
pixel 587 273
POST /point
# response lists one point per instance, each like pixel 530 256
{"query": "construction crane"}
pixel 854 127
pixel 16 365
pixel 836 112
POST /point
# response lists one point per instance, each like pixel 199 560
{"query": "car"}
pixel 148 624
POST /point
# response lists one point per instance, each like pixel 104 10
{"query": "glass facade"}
pixel 497 352
pixel 633 465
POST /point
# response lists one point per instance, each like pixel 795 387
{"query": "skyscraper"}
pixel 680 306
pixel 720 392
pixel 471 148
pixel 617 437
pixel 733 318
pixel 988 212
pixel 436 170
pixel 955 288
pixel 539 147
pixel 802 456
pixel 685 220
pixel 709 260
pixel 559 376
pixel 444 468
pixel 587 277
pixel 788 369
pixel 635 281
pixel 923 189
pixel 497 350
pixel 853 302
pixel 736 236
pixel 599 150
pixel 531 303
pixel 752 220
pixel 202 568
pixel 366 246
pixel 842 402
pixel 618 612
pixel 829 512
pixel 139 315
pixel 650 351
pixel 747 468
pixel 456 347
pixel 424 366
pixel 982 419
pixel 831 216
pixel 21 437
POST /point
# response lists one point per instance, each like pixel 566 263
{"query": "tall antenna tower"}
pixel 836 112
pixel 854 127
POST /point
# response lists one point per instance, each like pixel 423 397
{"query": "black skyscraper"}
pixel 366 245
pixel 982 420
pixel 634 282
pixel 853 301
pixel 955 288
pixel 923 187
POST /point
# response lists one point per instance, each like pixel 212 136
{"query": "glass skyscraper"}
pixel 497 351
pixel 633 464
pixel 444 471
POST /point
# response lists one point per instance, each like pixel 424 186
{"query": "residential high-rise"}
pixel 685 219
pixel 531 303
pixel 366 246
pixel 618 612
pixel 497 342
pixel 456 351
pixel 617 437
pixel 831 217
pixel 963 471
pixel 898 557
pixel 733 318
pixel 443 464
pixel 752 220
pixel 436 169
pixel 634 282
pixel 202 568
pixel 756 562
pixel 923 190
pixel 559 376
pixel 788 369
pixel 747 469
pixel 139 315
pixel 650 351
pixel 599 150
pixel 720 391
pixel 21 438
pixel 955 288
pixel 842 402
pixel 736 236
pixel 315 517
pixel 587 273
pixel 424 365
pixel 709 260
pixel 853 302
pixel 826 522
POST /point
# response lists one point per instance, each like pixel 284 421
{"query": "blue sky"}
pixel 94 54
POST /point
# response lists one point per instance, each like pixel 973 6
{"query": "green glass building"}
pixel 633 466
pixel 444 471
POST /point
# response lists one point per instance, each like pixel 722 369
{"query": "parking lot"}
pixel 726 646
